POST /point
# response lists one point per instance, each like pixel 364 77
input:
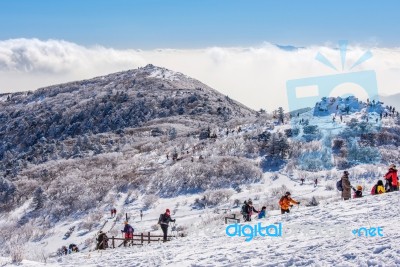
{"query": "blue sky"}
pixel 147 24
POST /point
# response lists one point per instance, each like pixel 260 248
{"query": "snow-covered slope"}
pixel 311 236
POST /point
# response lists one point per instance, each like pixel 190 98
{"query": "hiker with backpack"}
pixel 163 221
pixel 357 192
pixel 247 210
pixel 344 185
pixel 286 202
pixel 392 179
pixel 102 241
pixel 128 231
pixel 378 188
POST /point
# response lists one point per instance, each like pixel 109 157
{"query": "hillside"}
pixel 34 126
pixel 151 139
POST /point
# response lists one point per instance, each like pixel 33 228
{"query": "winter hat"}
pixel 359 187
pixel 167 211
pixel 346 172
pixel 287 193
pixel 250 202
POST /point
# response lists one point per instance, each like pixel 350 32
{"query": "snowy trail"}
pixel 312 245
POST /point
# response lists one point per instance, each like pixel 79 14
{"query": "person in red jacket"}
pixel 391 178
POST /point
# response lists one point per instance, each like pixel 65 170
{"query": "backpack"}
pixel 162 219
pixel 130 229
pixel 339 185
pixel 244 209
pixel 281 200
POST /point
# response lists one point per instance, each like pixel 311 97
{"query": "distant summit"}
pixel 346 105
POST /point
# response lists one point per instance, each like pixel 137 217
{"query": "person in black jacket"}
pixel 102 240
pixel 249 211
pixel 164 222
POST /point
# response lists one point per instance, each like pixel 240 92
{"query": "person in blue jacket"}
pixel 263 213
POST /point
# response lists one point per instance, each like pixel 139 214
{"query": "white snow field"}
pixel 311 236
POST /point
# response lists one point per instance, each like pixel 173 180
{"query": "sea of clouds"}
pixel 255 76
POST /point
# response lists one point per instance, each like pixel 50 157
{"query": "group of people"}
pixel 285 203
pixel 163 221
pixel 391 178
pixel 71 248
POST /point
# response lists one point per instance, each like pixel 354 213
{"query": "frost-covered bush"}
pixel 274 176
pixel 330 186
pixel 216 197
pixel 210 173
pixel 278 191
pixel 358 154
pixel 91 221
pixel 149 201
pixel 342 163
pixel 132 196
pixel 155 227
pixel 313 202
pixel 315 160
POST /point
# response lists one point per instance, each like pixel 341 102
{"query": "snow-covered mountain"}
pixel 151 139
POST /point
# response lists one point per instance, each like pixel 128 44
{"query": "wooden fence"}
pixel 138 239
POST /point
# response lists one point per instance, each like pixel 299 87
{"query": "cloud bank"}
pixel 255 76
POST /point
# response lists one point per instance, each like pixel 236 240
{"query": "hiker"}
pixel 64 250
pixel 163 221
pixel 262 214
pixel 128 231
pixel 316 182
pixel 392 179
pixel 286 202
pixel 357 192
pixel 243 210
pixel 248 211
pixel 141 214
pixel 378 188
pixel 346 193
pixel 102 241
pixel 73 248
pixel 302 181
pixel 112 213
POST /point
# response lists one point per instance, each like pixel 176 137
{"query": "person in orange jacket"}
pixel 286 202
pixel 391 178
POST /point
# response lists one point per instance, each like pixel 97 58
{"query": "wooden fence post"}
pixel 148 235
pixel 113 244
pixel 141 238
